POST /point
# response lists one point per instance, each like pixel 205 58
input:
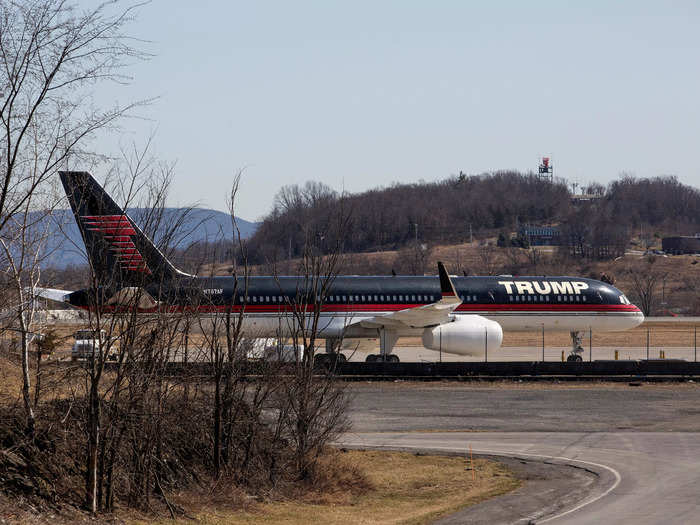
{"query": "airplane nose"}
pixel 638 316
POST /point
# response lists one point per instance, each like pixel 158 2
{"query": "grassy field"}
pixel 403 488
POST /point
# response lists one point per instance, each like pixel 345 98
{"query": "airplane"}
pixel 457 315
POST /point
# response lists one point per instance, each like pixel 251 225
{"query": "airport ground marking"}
pixel 515 455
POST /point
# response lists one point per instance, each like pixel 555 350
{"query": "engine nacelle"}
pixel 467 335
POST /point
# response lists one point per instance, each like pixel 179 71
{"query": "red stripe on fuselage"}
pixel 388 308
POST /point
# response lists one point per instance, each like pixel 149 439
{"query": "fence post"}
pixel 486 344
pixel 647 343
pixel 590 344
pixel 543 342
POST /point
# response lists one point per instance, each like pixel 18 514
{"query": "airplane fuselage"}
pixel 516 303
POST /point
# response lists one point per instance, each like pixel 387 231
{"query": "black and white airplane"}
pixel 458 315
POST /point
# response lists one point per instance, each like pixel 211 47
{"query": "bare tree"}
pixel 488 259
pixel 413 259
pixel 313 406
pixel 645 279
pixel 23 241
pixel 53 53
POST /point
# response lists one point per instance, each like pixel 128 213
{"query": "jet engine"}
pixel 466 335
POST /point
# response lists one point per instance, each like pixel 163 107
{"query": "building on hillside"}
pixel 679 245
pixel 540 235
pixel 585 197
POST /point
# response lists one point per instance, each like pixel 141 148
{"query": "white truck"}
pixel 87 342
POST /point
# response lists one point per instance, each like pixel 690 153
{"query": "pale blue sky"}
pixel 365 93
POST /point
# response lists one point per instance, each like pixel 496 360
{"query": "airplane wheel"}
pixel 371 358
pixel 575 358
pixel 392 358
pixel 341 358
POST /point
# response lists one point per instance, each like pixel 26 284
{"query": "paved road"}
pixel 643 477
pixel 646 478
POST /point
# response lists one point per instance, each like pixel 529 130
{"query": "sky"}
pixel 360 94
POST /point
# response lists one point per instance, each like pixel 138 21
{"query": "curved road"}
pixel 644 477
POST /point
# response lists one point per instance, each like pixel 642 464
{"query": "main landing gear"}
pixel 387 340
pixel 333 356
pixel 576 355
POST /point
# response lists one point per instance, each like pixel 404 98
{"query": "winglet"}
pixel 447 288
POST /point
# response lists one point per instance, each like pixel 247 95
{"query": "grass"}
pixel 405 489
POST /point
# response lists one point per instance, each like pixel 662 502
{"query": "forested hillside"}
pixel 447 211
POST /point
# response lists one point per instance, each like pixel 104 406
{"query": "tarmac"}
pixel 599 453
pixel 418 354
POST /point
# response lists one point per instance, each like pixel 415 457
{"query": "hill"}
pixel 459 209
pixel 65 247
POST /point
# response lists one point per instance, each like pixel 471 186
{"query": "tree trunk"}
pixel 217 426
pixel 26 380
pixel 92 450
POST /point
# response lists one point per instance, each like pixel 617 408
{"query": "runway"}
pixel 642 477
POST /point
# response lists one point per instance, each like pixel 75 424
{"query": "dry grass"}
pixel 406 489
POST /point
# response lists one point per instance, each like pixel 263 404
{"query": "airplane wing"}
pixel 421 316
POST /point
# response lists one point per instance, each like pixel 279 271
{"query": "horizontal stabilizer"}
pixel 54 294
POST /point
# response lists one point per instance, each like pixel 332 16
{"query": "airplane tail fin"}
pixel 119 252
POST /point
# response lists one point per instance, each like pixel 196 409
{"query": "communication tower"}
pixel 546 170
